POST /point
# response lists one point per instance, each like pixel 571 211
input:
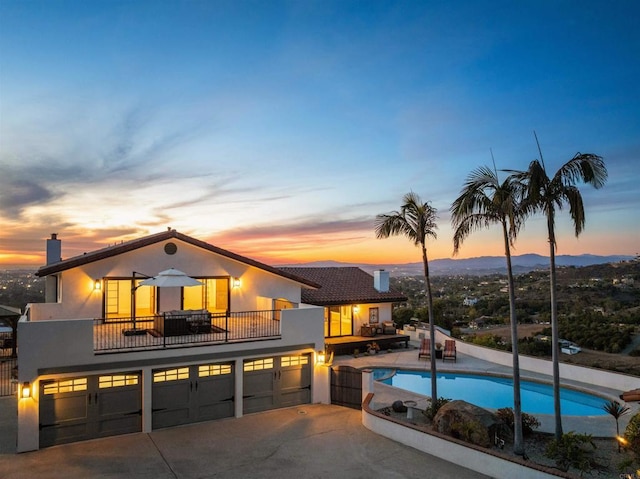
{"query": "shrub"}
pixel 467 431
pixel 529 422
pixel 632 435
pixel 572 450
pixel 430 412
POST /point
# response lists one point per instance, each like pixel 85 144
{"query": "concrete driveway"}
pixel 313 441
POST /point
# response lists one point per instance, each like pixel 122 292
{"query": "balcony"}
pixel 183 329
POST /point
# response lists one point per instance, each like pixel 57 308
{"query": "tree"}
pixel 617 410
pixel 546 194
pixel 416 221
pixel 484 201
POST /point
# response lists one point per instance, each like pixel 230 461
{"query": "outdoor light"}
pixel 97 285
pixel 236 282
pixel 25 390
pixel 320 358
pixel 356 309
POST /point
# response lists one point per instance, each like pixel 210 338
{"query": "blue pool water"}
pixel 494 392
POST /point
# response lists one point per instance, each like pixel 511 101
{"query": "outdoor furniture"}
pixel 425 348
pixel 449 350
pixel 368 330
pixel 388 327
pixel 183 322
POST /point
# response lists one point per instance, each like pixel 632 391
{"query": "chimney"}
pixel 381 280
pixel 54 249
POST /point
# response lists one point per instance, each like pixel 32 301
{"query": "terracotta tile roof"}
pixel 156 238
pixel 342 285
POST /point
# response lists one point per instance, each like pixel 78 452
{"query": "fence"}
pixel 8 376
pixel 179 329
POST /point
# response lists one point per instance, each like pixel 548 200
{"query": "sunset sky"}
pixel 279 130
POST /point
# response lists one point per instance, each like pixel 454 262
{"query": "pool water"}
pixel 495 392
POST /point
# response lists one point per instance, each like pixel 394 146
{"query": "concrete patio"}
pixel 598 426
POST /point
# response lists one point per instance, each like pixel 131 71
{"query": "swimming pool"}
pixel 494 392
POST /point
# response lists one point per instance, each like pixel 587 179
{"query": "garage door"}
pixel 192 394
pixel 76 409
pixel 281 381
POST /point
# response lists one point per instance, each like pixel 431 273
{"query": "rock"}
pixel 398 406
pixel 471 423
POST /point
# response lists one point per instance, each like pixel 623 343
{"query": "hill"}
pixel 479 266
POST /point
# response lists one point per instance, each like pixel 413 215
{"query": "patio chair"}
pixel 425 348
pixel 449 350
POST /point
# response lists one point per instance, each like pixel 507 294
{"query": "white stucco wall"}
pixel 59 344
pixel 362 316
pixel 81 300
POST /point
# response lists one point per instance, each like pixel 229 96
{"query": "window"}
pixel 117 380
pixel 213 370
pixel 338 321
pixel 117 298
pixel 65 386
pixel 294 360
pixel 258 364
pixel 213 295
pixel 171 375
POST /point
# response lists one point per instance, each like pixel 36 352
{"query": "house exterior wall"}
pixel 362 316
pixel 43 358
pixel 81 300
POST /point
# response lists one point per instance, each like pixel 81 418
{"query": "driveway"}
pixel 313 441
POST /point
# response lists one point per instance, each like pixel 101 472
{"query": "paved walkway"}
pixel 314 441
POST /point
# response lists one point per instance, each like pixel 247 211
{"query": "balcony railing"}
pixel 182 329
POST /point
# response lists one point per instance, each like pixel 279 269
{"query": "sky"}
pixel 280 129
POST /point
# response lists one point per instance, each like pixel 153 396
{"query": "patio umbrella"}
pixel 164 279
pixel 170 278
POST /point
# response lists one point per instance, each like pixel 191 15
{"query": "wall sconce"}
pixel 97 285
pixel 356 309
pixel 236 282
pixel 320 358
pixel 25 390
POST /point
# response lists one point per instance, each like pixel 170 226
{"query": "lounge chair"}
pixel 449 350
pixel 425 348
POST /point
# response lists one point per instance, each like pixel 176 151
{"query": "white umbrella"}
pixel 170 278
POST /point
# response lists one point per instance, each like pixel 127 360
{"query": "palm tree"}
pixel 548 194
pixel 415 220
pixel 484 201
pixel 617 410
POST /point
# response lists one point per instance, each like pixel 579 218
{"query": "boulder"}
pixel 398 406
pixel 472 424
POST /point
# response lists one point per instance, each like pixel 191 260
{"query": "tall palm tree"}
pixel 484 201
pixel 548 195
pixel 415 220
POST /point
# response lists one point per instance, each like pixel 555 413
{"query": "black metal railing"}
pixel 8 376
pixel 181 329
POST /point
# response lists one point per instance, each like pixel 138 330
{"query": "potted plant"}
pixel 438 350
pixel 373 348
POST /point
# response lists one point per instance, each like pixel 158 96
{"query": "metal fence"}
pixel 181 329
pixel 8 376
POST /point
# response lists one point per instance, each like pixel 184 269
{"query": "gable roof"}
pixel 156 238
pixel 342 285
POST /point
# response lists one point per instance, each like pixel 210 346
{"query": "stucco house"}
pixel 354 302
pixel 113 351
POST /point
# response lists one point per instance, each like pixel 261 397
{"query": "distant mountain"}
pixel 477 266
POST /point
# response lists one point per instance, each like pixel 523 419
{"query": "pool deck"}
pixel 598 426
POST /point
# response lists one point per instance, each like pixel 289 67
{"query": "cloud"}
pixel 15 195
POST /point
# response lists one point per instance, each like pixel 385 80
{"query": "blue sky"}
pixel 280 129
